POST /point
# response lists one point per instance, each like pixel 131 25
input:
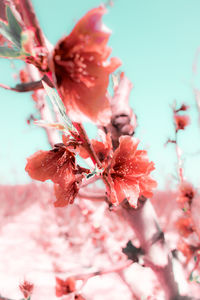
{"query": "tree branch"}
pixel 156 254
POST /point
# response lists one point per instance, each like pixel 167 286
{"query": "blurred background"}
pixel 156 42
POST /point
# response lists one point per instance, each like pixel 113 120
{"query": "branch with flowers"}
pixel 189 243
pixel 75 75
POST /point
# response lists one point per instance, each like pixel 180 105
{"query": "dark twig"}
pixel 28 86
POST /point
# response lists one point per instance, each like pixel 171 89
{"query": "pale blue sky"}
pixel 156 41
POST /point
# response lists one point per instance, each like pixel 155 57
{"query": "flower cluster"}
pixel 81 72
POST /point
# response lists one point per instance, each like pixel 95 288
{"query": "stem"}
pixel 86 143
pixel 90 181
pixel 144 223
pixel 23 87
pixel 112 269
pixel 28 86
pixel 92 195
pixel 179 160
pixel 123 278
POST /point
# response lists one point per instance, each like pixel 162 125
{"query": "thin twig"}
pixel 86 143
pixel 28 86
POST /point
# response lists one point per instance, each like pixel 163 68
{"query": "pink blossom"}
pixel 82 71
pixel 59 166
pixel 127 177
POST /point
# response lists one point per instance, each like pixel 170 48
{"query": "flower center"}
pixel 75 66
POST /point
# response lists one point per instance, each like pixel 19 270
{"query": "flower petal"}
pixel 65 196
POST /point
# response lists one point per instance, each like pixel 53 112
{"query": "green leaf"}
pixel 55 99
pixel 4 30
pixel 9 52
pixel 14 27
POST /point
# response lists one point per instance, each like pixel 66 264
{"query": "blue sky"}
pixel 156 41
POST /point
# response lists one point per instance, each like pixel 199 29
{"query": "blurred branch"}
pixel 156 254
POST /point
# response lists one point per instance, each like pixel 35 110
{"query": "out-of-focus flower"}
pixel 186 193
pixel 184 226
pixel 26 288
pixel 127 176
pixel 58 165
pixel 81 69
pixel 65 287
pixel 187 250
pixel 181 121
pixel 24 77
pixel 79 297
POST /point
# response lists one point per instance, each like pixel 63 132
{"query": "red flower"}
pixel 181 121
pixel 65 287
pixel 82 71
pixel 184 226
pixel 26 288
pixel 186 193
pixel 127 177
pixel 59 166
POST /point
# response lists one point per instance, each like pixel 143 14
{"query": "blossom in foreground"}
pixel 81 69
pixel 26 288
pixel 58 165
pixel 128 175
pixel 181 121
pixel 65 287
